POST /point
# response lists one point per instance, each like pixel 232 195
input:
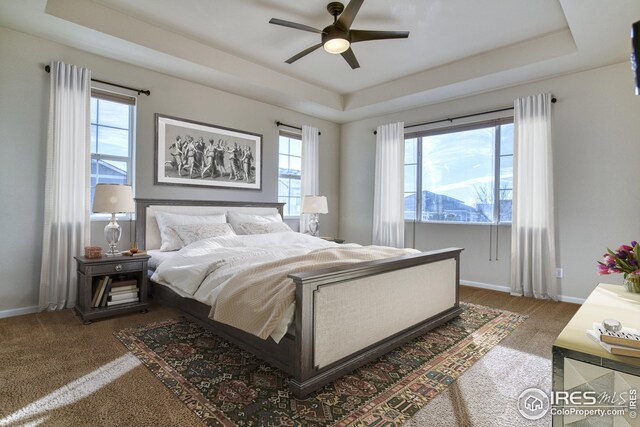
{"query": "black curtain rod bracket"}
pixel 450 120
pixel 47 68
pixel 279 123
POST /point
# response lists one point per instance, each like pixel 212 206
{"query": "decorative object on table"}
pixel 247 390
pixel 92 252
pixel 625 342
pixel 314 205
pixel 113 199
pixel 136 253
pixel 612 325
pixel 193 153
pixel 133 248
pixel 624 260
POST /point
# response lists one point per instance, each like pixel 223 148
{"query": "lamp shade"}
pixel 314 204
pixel 113 198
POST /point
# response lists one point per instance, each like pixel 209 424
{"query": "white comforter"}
pixel 201 269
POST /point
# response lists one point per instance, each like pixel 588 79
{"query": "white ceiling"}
pixel 455 47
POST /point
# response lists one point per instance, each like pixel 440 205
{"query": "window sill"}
pixel 502 224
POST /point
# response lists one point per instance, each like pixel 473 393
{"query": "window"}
pixel 112 133
pixel 456 174
pixel 289 166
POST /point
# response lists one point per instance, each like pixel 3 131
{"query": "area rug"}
pixel 226 386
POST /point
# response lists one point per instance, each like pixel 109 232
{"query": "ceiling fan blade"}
pixel 350 57
pixel 364 35
pixel 349 14
pixel 303 53
pixel 294 25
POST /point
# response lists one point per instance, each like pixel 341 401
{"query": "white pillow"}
pixel 170 240
pixel 236 218
pixel 262 228
pixel 193 232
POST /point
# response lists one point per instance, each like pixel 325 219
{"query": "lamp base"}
pixel 314 226
pixel 112 233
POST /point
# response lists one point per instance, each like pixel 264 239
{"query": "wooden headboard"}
pixel 147 227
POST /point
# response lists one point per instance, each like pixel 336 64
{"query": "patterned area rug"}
pixel 226 386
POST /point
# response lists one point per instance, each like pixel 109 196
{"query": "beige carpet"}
pixel 487 393
pixel 56 372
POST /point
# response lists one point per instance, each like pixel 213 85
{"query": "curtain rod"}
pixel 279 123
pixel 47 68
pixel 375 132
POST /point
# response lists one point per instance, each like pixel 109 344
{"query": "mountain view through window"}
pixel 459 174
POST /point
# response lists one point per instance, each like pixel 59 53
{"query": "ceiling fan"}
pixel 338 37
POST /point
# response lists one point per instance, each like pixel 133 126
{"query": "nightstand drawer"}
pixel 116 267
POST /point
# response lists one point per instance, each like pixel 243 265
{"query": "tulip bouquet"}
pixel 623 260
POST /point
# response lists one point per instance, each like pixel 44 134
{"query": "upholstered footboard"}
pixel 349 315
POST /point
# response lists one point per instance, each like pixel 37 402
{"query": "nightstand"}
pixel 91 272
pixel 332 239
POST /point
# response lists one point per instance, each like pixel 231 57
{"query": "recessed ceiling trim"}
pixel 130 33
pixel 109 21
pixel 498 60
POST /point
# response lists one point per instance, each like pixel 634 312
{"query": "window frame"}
pixel 297 136
pixel 131 101
pixel 497 160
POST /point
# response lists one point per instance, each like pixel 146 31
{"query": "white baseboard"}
pixel 490 286
pixel 573 300
pixel 507 289
pixel 18 311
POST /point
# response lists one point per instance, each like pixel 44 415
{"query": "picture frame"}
pixel 199 154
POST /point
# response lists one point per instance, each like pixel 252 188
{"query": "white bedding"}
pixel 202 269
pixel 157 256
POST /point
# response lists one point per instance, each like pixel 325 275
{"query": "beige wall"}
pixel 24 93
pixel 596 131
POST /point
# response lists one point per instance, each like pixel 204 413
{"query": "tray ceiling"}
pixel 455 47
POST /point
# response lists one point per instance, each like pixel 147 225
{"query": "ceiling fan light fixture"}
pixel 336 45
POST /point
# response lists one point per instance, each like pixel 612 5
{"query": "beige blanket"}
pixel 255 299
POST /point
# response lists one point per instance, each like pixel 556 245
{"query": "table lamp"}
pixel 113 199
pixel 314 205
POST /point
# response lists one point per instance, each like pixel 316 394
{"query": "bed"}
pixel 343 317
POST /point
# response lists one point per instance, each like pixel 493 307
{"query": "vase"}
pixel 632 283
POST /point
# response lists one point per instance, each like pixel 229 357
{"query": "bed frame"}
pixel 344 316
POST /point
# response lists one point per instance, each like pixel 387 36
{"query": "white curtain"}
pixel 533 258
pixel 388 199
pixel 66 210
pixel 309 182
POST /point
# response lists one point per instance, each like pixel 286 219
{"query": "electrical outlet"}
pixel 559 273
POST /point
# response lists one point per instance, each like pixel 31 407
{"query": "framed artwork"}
pixel 205 155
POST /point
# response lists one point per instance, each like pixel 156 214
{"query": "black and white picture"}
pixel 193 153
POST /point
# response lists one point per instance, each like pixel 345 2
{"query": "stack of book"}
pixel 625 342
pixel 99 295
pixel 109 292
pixel 123 292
